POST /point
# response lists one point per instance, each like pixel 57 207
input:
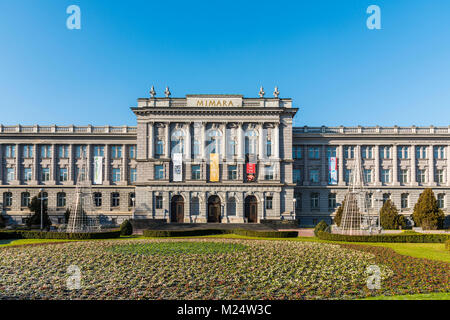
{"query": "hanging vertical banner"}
pixel 177 159
pixel 332 168
pixel 214 167
pixel 251 168
pixel 98 170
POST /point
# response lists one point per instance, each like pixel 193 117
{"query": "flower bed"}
pixel 31 234
pixel 212 269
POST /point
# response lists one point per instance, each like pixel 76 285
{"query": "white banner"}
pixel 333 174
pixel 177 159
pixel 98 170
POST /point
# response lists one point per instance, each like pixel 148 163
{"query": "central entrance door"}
pixel 177 209
pixel 214 209
pixel 251 209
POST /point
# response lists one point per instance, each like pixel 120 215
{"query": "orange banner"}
pixel 214 167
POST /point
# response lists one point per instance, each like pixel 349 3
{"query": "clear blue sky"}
pixel 320 53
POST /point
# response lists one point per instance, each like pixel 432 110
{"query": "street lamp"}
pixel 41 190
pixel 295 202
pixel 134 206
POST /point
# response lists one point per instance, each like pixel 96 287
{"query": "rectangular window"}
pixel 132 152
pixel 46 151
pixel 195 172
pixel 367 152
pixel 116 175
pixel 28 151
pixel 296 152
pixel 368 175
pixel 331 200
pixel 99 151
pixel 440 176
pixel 385 152
pixel 386 197
pixel 25 199
pixel 403 176
pixel 232 172
pixel 349 152
pixel 159 147
pixel 314 175
pixel 385 175
pixel 421 152
pixel 196 148
pixel 269 148
pixel 439 152
pixel 404 201
pixel 315 201
pixel 63 151
pixel 268 172
pixel 133 174
pixel 403 152
pixel 97 199
pixel 45 174
pixel 441 200
pixel 269 203
pixel 159 172
pixel 421 175
pixel 297 176
pixel 370 200
pixel 27 174
pixel 158 202
pixel 331 152
pixel 348 175
pixel 10 151
pixel 116 152
pixel 10 174
pixel 313 153
pixel 63 176
pixel 80 151
pixel 115 199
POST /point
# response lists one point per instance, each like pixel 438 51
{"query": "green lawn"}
pixel 424 296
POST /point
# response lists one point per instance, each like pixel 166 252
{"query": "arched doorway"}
pixel 214 209
pixel 251 209
pixel 177 209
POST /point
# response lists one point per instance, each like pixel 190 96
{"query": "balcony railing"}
pixel 372 130
pixel 68 129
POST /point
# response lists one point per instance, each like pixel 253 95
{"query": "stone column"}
pixel 261 141
pixel 431 180
pixel 413 175
pixel 107 180
pixel 377 166
pixel 17 165
pixel 54 166
pixel 124 175
pixel 241 141
pixel 323 157
pixel 188 142
pixel 276 141
pixel 395 165
pixel 167 137
pixel 71 165
pixel 202 141
pixel 341 168
pixel 150 141
pixel 1 164
pixel 305 166
pixel 448 168
pixel 224 142
pixel 90 162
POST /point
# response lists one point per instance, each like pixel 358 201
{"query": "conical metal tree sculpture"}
pixel 82 217
pixel 356 203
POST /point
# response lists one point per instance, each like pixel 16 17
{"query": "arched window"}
pixel 231 206
pixel 61 199
pixel 195 206
pixel 7 199
pixel 25 199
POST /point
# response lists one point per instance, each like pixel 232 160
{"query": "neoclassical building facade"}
pixel 219 158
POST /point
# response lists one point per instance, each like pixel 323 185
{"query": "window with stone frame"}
pixel 404 199
pixel 7 199
pixel 315 200
pixel 441 200
pixel 158 202
pixel 440 176
pixel 25 199
pixel 97 199
pixel 403 176
pixel 421 175
pixel 269 202
pixel 159 171
pixel 421 152
pixel 232 172
pixel 439 152
pixel 367 152
pixel 195 172
pixel 385 152
pixel 115 199
pixel 61 199
pixel 331 200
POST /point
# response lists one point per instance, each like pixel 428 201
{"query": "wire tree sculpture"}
pixel 356 217
pixel 82 217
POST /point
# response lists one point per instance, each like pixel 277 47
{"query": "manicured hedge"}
pixel 20 234
pixel 416 238
pixel 205 232
pixel 266 234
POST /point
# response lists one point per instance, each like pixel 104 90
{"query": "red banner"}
pixel 251 171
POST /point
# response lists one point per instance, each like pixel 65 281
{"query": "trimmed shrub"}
pixel 427 213
pixel 35 207
pixel 126 229
pixel 338 216
pixel 389 217
pixel 413 238
pixel 321 226
pixel 206 232
pixel 22 234
pixel 447 245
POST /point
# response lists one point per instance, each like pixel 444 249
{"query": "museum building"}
pixel 219 158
